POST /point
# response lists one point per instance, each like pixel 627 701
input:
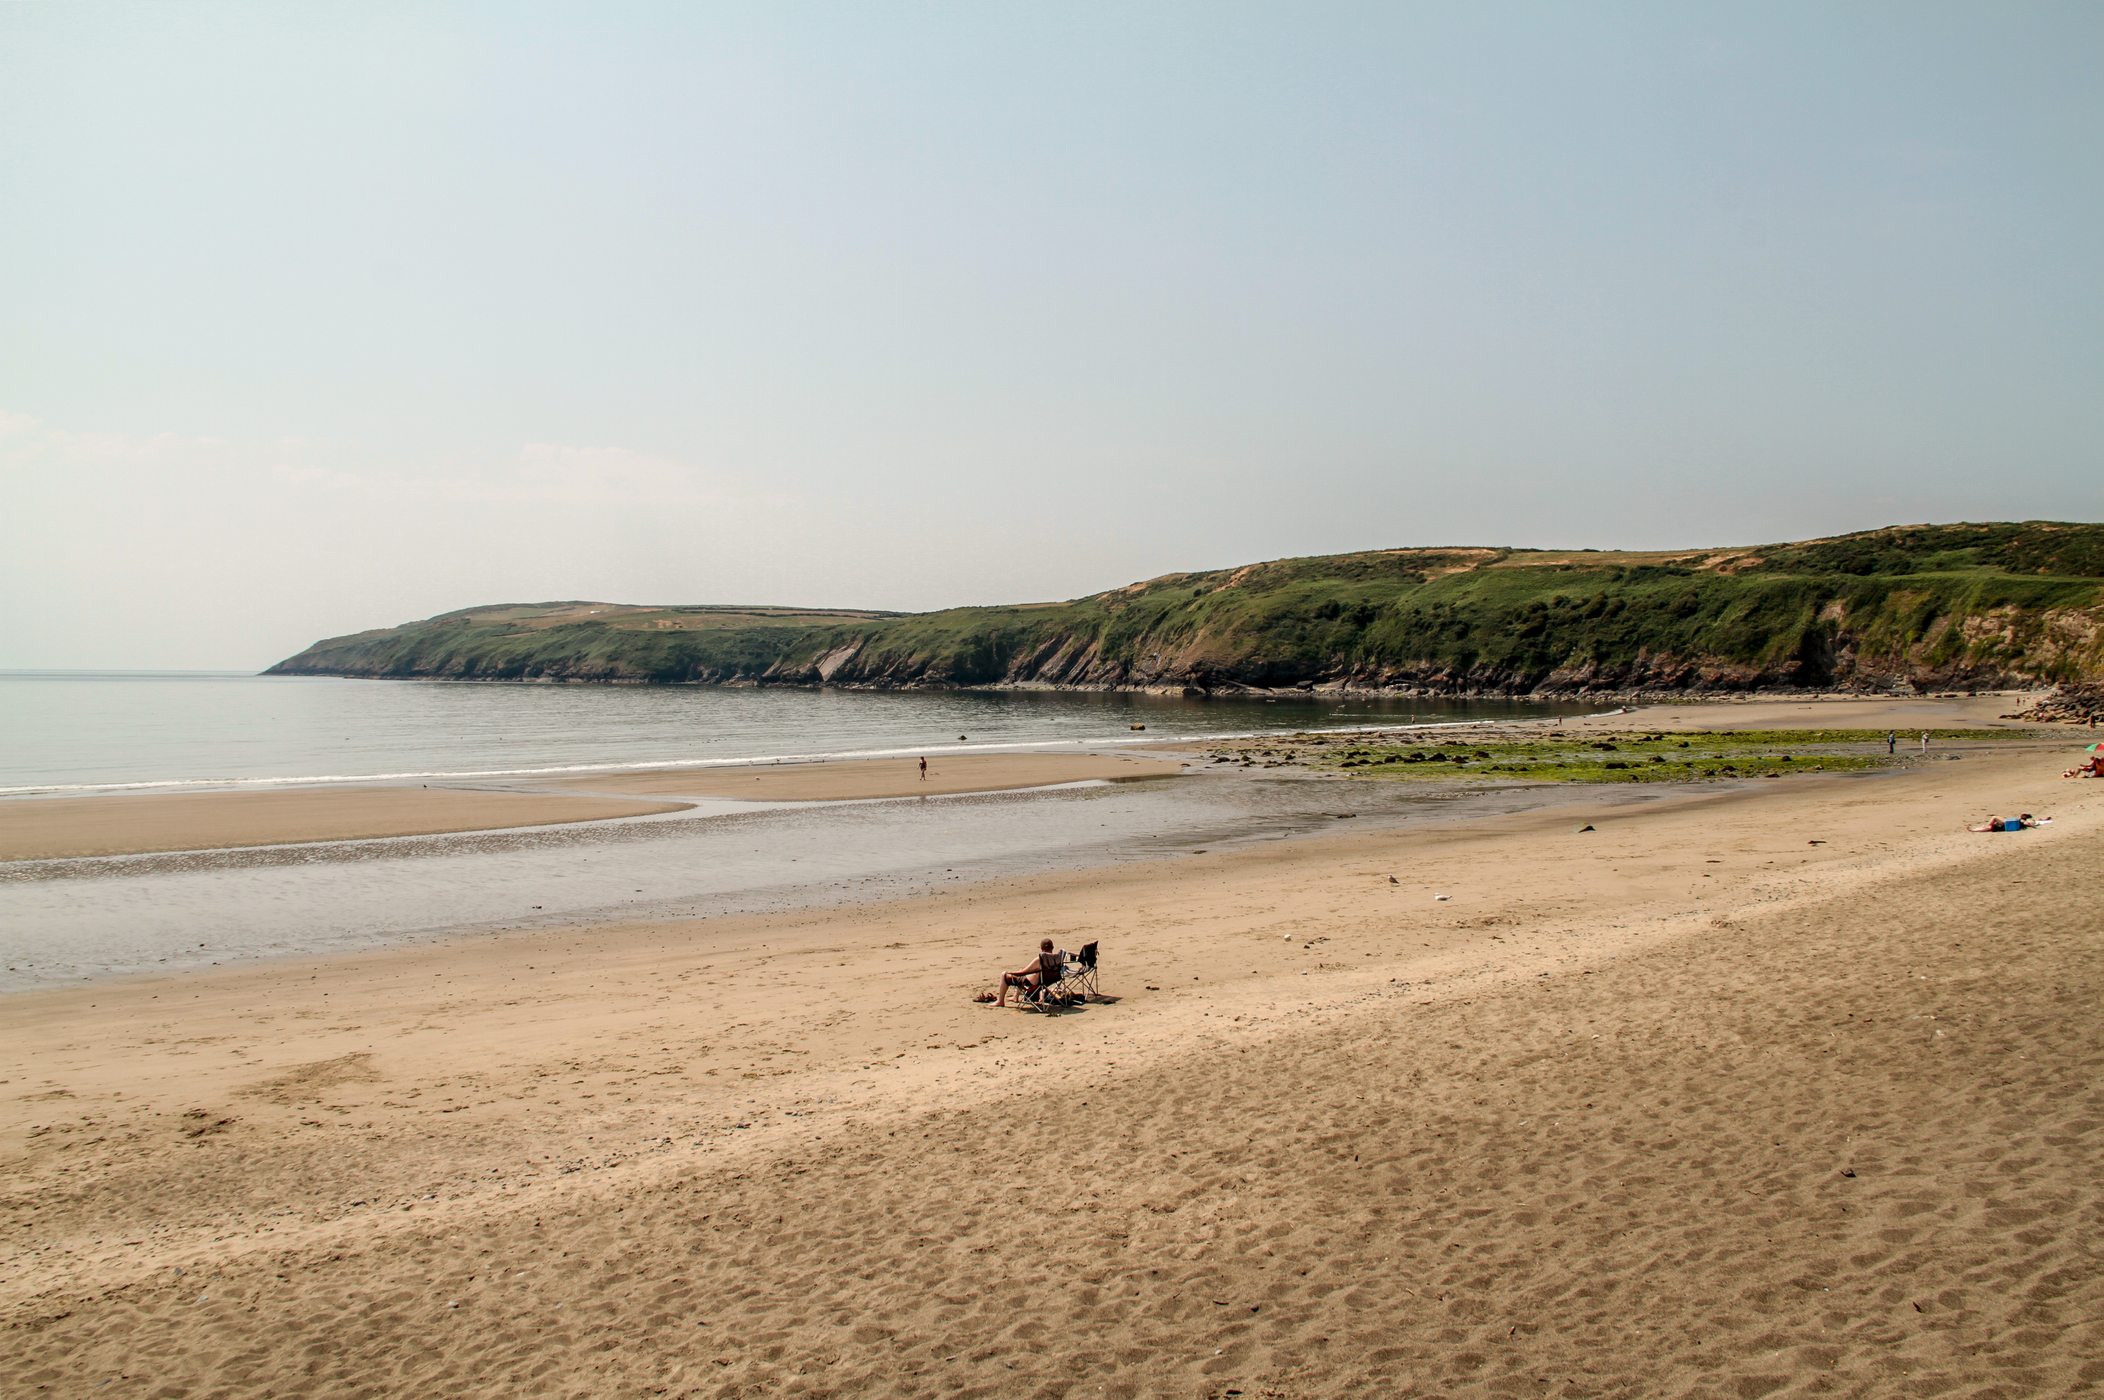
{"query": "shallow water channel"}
pixel 65 921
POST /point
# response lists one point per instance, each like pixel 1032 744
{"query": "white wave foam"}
pixel 745 761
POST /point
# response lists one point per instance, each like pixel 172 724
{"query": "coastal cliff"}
pixel 1923 607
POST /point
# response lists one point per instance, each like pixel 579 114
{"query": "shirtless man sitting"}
pixel 1047 967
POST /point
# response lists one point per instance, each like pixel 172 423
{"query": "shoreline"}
pixel 862 779
pixel 1086 745
pixel 64 828
pixel 37 828
pixel 84 922
pixel 1308 690
pixel 1874 711
pixel 469 1164
pixel 1983 710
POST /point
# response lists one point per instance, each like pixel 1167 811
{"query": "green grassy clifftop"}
pixel 1925 606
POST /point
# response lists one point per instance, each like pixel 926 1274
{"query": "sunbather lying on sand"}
pixel 2016 823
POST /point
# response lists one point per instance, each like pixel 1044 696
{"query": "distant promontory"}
pixel 1921 607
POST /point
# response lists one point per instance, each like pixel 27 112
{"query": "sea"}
pixel 107 731
pixel 68 734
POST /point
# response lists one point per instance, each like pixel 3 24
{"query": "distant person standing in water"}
pixel 924 770
pixel 1891 743
pixel 1924 741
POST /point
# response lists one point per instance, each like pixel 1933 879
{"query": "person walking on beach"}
pixel 924 769
pixel 1924 741
pixel 1891 743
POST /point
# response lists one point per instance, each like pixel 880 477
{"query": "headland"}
pixel 1908 609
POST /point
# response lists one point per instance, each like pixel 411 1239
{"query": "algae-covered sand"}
pixel 1601 757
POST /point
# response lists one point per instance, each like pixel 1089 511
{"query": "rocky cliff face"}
pixel 1923 607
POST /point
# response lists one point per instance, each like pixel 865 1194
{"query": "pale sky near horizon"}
pixel 320 317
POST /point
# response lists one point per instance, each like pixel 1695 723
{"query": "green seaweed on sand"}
pixel 1641 757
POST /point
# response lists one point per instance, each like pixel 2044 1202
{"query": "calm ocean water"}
pixel 86 731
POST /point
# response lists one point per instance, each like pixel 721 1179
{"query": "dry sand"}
pixel 847 779
pixel 41 828
pixel 1685 1105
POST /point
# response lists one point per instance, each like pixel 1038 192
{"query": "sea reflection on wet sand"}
pixel 66 920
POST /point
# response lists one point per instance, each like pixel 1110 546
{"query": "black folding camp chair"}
pixel 1042 998
pixel 1044 990
pixel 1079 979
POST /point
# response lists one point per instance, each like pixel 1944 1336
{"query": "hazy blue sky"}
pixel 316 317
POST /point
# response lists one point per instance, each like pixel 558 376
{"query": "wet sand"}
pixel 45 828
pixel 63 922
pixel 1900 715
pixel 850 779
pixel 1773 1091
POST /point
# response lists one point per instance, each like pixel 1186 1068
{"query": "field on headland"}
pixel 1783 1089
pixel 1933 607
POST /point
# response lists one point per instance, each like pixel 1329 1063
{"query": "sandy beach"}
pixel 856 779
pixel 1782 1090
pixel 1908 715
pixel 43 828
